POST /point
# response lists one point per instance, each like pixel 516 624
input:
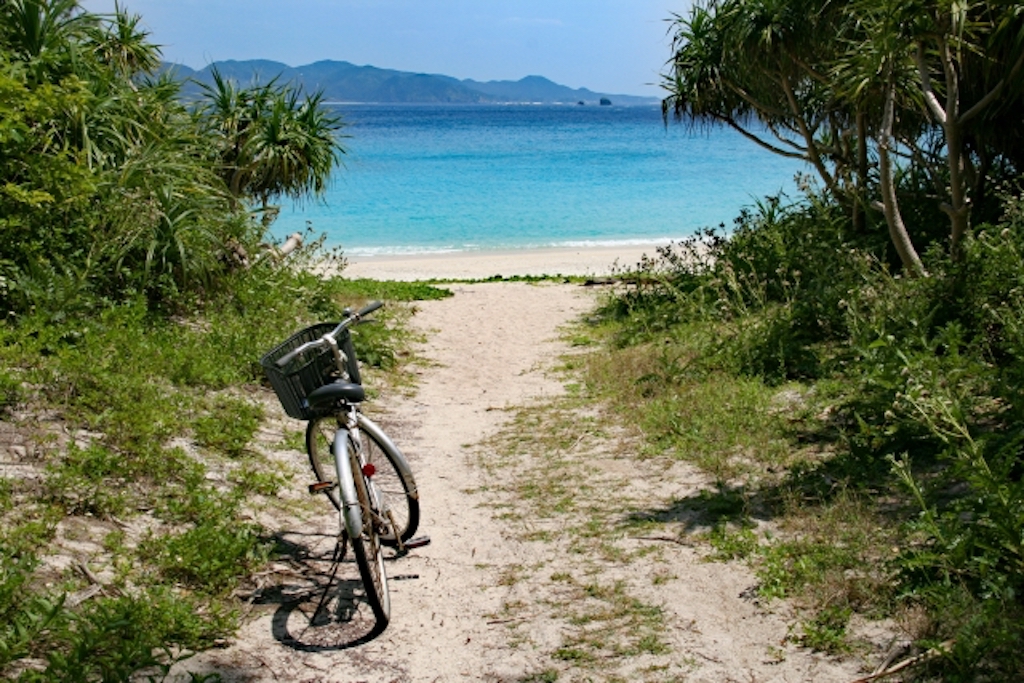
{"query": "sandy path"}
pixel 486 347
pixel 499 593
pixel 490 345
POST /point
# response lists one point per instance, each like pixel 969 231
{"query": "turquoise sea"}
pixel 444 178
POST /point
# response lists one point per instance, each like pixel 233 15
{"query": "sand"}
pixel 471 265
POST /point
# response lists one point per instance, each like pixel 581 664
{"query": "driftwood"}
pixel 293 242
pixel 907 663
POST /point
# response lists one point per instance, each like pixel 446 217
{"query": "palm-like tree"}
pixel 832 83
pixel 271 141
pixel 124 45
pixel 31 27
pixel 45 33
pixel 759 67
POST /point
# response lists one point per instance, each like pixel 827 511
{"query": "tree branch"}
pixel 811 71
pixel 812 150
pixel 952 81
pixel 759 106
pixel 930 98
pixel 994 92
pixel 753 138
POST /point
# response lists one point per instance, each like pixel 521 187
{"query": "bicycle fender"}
pixel 370 427
pixel 350 512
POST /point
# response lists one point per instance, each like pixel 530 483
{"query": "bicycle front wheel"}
pixel 367 550
pixel 392 479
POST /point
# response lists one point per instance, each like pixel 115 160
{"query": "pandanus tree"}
pixel 761 67
pixel 841 84
pixel 969 59
pixel 124 45
pixel 874 75
pixel 110 183
pixel 40 31
pixel 272 141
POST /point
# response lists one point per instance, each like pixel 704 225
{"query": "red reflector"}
pixel 369 470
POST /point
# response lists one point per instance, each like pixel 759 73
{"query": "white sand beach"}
pixel 582 261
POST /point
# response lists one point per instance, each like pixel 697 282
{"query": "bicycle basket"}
pixel 310 371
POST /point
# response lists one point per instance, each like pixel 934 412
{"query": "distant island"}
pixel 346 82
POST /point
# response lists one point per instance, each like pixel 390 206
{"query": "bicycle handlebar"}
pixel 352 319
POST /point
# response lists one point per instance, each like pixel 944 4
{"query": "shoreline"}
pixel 478 265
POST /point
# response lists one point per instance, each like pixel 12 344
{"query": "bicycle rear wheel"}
pixel 366 547
pixel 393 479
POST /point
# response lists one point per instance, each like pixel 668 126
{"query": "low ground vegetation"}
pixel 132 486
pixel 873 419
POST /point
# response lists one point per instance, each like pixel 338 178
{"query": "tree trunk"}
pixel 959 209
pixel 861 183
pixel 890 204
pixel 293 242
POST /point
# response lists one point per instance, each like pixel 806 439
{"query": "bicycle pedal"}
pixel 417 542
pixel 321 486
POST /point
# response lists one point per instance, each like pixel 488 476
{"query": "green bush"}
pixel 22 620
pixel 10 389
pixel 110 639
pixel 915 401
pixel 91 480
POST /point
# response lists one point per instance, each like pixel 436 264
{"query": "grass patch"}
pixel 542 479
pixel 156 428
pixel 722 423
pixel 763 445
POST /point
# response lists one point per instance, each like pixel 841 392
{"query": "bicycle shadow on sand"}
pixel 322 606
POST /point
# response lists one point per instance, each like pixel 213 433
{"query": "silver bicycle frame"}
pixel 351 515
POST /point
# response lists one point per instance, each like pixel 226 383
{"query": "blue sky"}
pixel 612 46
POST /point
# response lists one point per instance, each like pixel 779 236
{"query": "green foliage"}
pixel 23 620
pixel 107 638
pixel 128 381
pixel 211 556
pixel 841 85
pixel 980 639
pixel 111 187
pixel 228 425
pixel 914 399
pixel 394 290
pixel 112 638
pixel 268 140
pixel 732 544
pixel 826 631
pixel 768 296
pixel 10 389
pixel 260 479
pixel 89 480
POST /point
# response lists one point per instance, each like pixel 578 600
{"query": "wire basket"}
pixel 310 371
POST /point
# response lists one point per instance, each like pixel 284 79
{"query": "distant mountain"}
pixel 345 82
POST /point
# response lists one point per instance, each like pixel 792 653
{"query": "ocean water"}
pixel 445 178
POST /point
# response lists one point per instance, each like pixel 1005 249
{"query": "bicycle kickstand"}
pixel 405 546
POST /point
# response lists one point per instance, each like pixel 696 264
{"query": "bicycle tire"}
pixel 393 477
pixel 366 547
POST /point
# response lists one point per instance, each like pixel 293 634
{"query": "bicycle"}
pixel 315 375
